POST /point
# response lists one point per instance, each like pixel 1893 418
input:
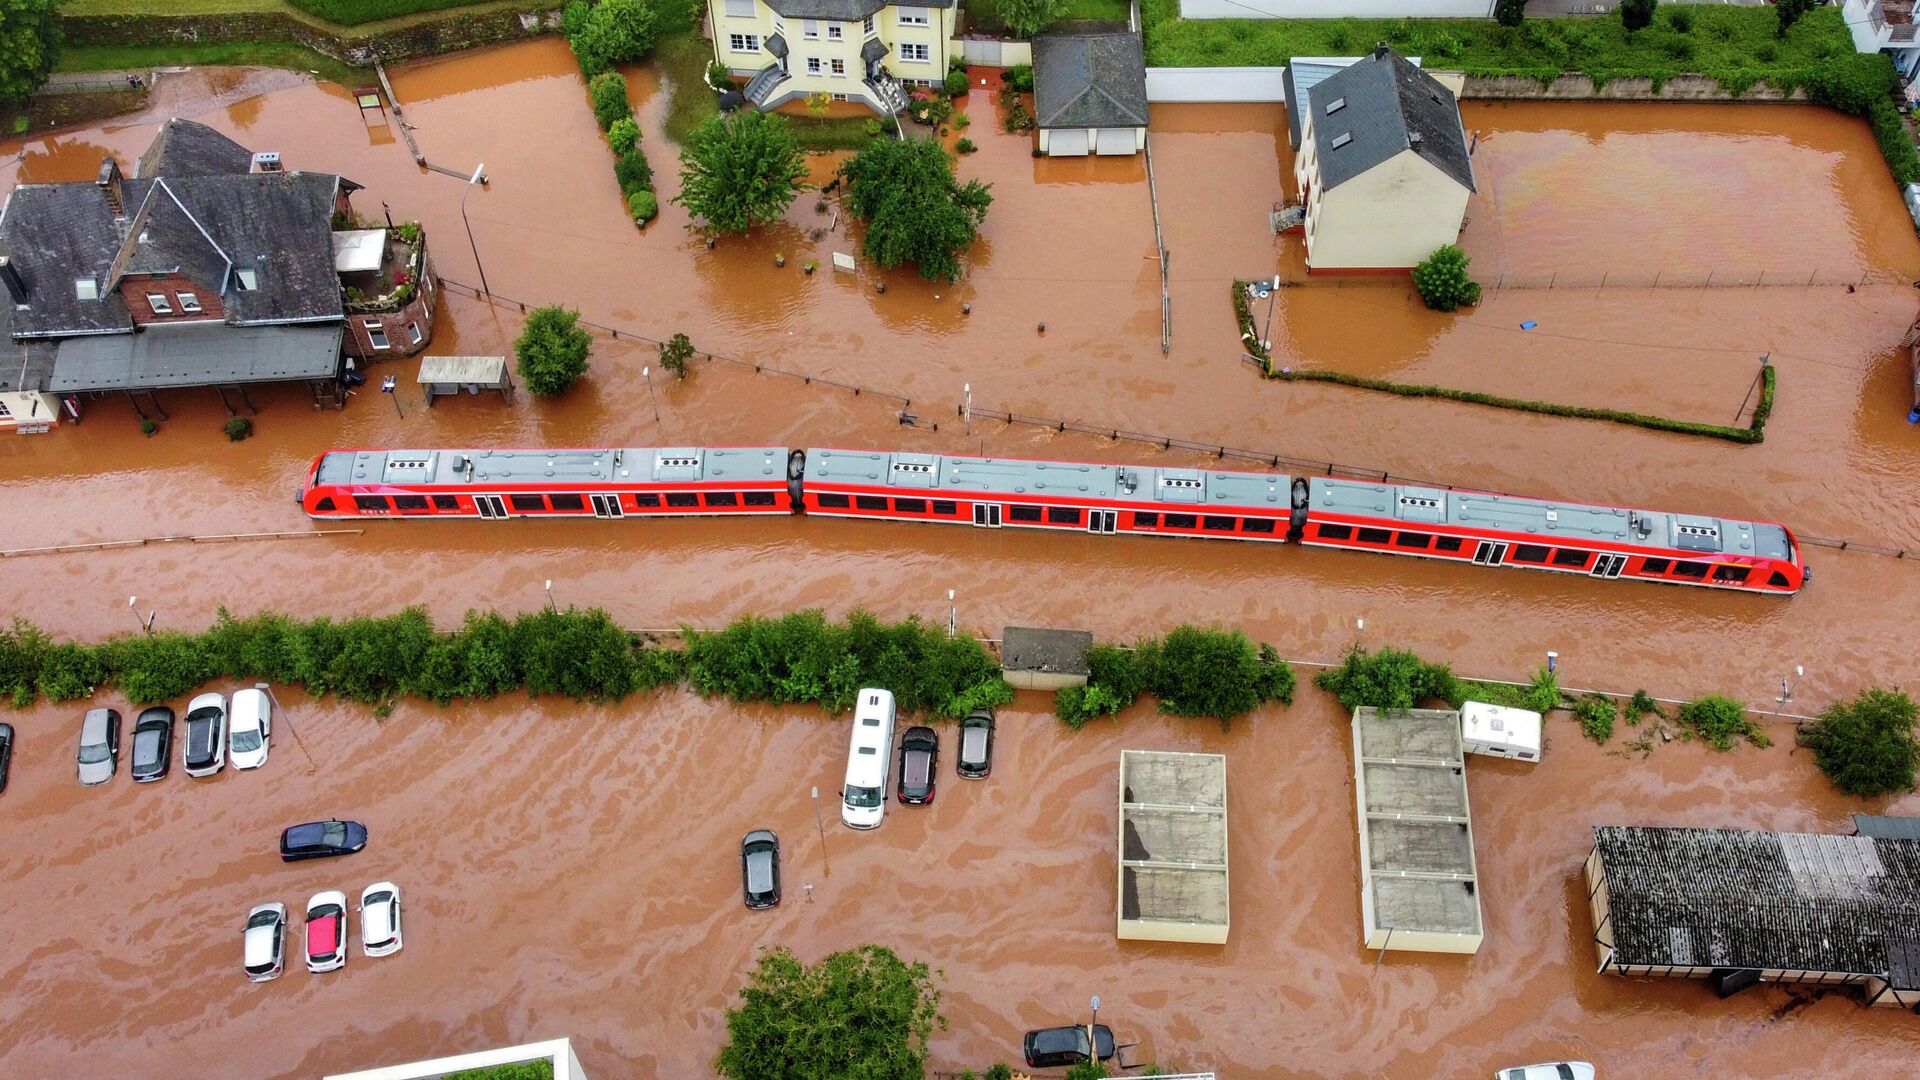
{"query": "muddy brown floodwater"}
pixel 571 870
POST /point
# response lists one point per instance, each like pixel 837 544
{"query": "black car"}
pixel 322 840
pixel 760 868
pixel 6 753
pixel 1049 1047
pixel 152 744
pixel 975 759
pixel 919 757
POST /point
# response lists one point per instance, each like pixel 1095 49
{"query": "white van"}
pixel 1500 731
pixel 863 802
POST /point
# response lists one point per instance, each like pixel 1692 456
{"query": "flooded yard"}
pixel 571 870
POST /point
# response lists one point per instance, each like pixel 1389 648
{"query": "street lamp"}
pixel 1266 334
pixel 953 624
pixel 1786 687
pixel 647 374
pixel 479 175
pixel 1553 661
pixel 820 824
pixel 966 411
pixel 550 606
pixel 146 624
pixel 1093 1041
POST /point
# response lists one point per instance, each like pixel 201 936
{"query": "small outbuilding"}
pixel 1419 889
pixel 1500 731
pixel 444 375
pixel 1173 847
pixel 1090 94
pixel 1036 659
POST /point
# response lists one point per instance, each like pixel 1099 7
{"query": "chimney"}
pixel 16 285
pixel 109 184
pixel 1380 51
pixel 266 161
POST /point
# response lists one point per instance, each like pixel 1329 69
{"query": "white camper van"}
pixel 1499 731
pixel 863 802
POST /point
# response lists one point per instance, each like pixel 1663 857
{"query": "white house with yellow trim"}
pixel 1383 169
pixel 851 50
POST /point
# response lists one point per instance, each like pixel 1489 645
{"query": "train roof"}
pixel 667 465
pixel 1014 477
pixel 1405 503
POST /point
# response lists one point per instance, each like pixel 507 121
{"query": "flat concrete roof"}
pixel 1419 885
pixel 1026 648
pixel 485 370
pixel 1173 846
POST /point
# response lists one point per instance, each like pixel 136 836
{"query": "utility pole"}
pixel 479 177
pixel 390 386
pixel 280 711
pixel 1266 335
pixel 146 624
pixel 820 824
pixel 647 374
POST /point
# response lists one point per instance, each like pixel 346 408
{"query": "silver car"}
pixel 265 942
pixel 99 746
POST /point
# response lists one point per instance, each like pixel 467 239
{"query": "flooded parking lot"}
pixel 570 870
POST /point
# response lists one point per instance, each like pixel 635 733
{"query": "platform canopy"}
pixel 358 250
pixel 196 354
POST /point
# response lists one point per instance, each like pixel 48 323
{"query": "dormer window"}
pixel 1340 140
pixel 159 303
pixel 1336 105
pixel 86 288
pixel 247 280
pixel 189 303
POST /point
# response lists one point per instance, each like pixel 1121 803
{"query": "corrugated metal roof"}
pixel 196 354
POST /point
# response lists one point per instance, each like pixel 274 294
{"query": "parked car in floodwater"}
pixel 322 840
pixel 206 742
pixel 99 746
pixel 1553 1070
pixel 6 753
pixel 975 759
pixel 1046 1048
pixel 152 744
pixel 249 725
pixel 760 868
pixel 380 919
pixel 919 765
pixel 327 932
pixel 264 942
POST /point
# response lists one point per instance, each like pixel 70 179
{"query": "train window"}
pixel 1412 540
pixel 722 498
pixel 910 506
pixel 834 502
pixel 941 506
pixel 1334 532
pixel 1729 573
pixel 527 502
pixel 1219 524
pixel 1778 580
pixel 373 503
pixel 567 502
pixel 324 506
pixel 646 498
pixel 1447 543
pixel 682 499
pixel 1569 557
pixel 870 502
pixel 409 502
pixel 1690 569
pixel 1655 566
pixel 1146 521
pixel 1259 525
pixel 1180 521
pixel 1063 515
pixel 1529 553
pixel 1023 513
pixel 1375 536
pixel 446 502
pixel 757 498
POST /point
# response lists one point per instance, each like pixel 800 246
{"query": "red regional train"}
pixel 1397 519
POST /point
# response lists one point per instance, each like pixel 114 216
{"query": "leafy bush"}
pixel 1718 721
pixel 916 211
pixel 1681 19
pixel 153 668
pixel 675 354
pixel 643 205
pixel 23 651
pixel 552 351
pixel 1789 11
pixel 633 171
pixel 582 655
pixel 861 1012
pixel 1443 282
pixel 527 1070
pixel 1641 706
pixel 1637 14
pixel 148 427
pixel 1510 12
pixel 957 83
pixel 998 1071
pixel 623 135
pixel 740 171
pixel 1088 1070
pixel 965 146
pixel 1541 694
pixel 608 91
pixel 237 428
pixel 355 12
pixel 1596 714
pixel 1388 679
pixel 71 671
pixel 962 120
pixel 718 76
pixel 1866 746
pixel 573 18
pixel 1019 77
pixel 1194 673
pixel 615 32
pixel 1116 677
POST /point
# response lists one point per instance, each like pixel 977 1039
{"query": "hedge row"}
pixel 1194 672
pixel 355 12
pixel 451 32
pixel 611 108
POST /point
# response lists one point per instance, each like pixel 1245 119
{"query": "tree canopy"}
pixel 1637 14
pixel 29 45
pixel 915 210
pixel 861 1014
pixel 741 170
pixel 1866 746
pixel 552 351
pixel 614 32
pixel 1028 17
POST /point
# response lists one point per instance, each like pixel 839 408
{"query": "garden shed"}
pixel 1419 890
pixel 1090 94
pixel 1173 847
pixel 444 375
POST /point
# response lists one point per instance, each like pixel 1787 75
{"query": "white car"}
pixel 265 942
pixel 1553 1070
pixel 205 748
pixel 327 931
pixel 249 726
pixel 380 919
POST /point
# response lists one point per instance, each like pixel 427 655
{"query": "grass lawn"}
pixel 683 59
pixel 397 15
pixel 46 111
pixel 1733 44
pixel 278 54
pixel 170 7
pixel 985 14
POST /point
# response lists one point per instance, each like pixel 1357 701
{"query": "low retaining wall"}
pixel 1581 88
pixel 992 52
pixel 1216 84
pixel 455 31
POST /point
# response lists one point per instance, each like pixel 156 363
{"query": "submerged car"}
pixel 264 942
pixel 975 759
pixel 206 742
pixel 327 931
pixel 99 746
pixel 1046 1048
pixel 152 744
pixel 380 919
pixel 760 868
pixel 919 760
pixel 322 840
pixel 6 753
pixel 1553 1070
pixel 250 725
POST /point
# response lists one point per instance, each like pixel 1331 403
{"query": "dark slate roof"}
pixel 841 10
pixel 24 365
pixel 55 233
pixel 196 354
pixel 1726 898
pixel 1024 648
pixel 184 148
pixel 1390 106
pixel 1089 81
pixel 281 226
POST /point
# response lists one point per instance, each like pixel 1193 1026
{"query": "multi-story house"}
pixel 850 50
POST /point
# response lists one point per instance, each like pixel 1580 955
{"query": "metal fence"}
pixel 1655 278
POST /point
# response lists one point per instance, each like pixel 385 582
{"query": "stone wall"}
pixel 1581 88
pixel 453 31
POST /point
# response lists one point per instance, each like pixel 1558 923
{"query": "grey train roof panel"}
pixel 666 465
pixel 1560 521
pixel 1012 478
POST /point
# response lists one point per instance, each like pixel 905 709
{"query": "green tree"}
pixel 675 354
pixel 1088 1070
pixel 1443 282
pixel 1637 14
pixel 999 1071
pixel 608 92
pixel 29 46
pixel 1388 679
pixel 552 351
pixel 1509 12
pixel 615 32
pixel 622 135
pixel 1029 17
pixel 916 212
pixel 1789 12
pixel 1866 746
pixel 862 1012
pixel 1217 673
pixel 741 170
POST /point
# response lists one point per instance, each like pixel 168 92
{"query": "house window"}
pixel 86 288
pixel 810 29
pixel 813 65
pixel 158 302
pixel 739 9
pixel 834 32
pixel 912 16
pixel 376 334
pixel 189 303
pixel 839 67
pixel 413 331
pixel 867 27
pixel 246 280
pixel 919 54
pixel 743 43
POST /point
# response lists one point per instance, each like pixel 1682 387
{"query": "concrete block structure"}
pixel 1173 847
pixel 559 1052
pixel 1035 659
pixel 1419 889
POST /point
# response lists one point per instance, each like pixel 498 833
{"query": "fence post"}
pixel 1761 280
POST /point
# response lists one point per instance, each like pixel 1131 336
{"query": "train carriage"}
pixel 602 483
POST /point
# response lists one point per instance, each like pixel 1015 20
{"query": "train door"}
pixel 607 506
pixel 490 506
pixel 1102 521
pixel 1608 566
pixel 1490 553
pixel 986 515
